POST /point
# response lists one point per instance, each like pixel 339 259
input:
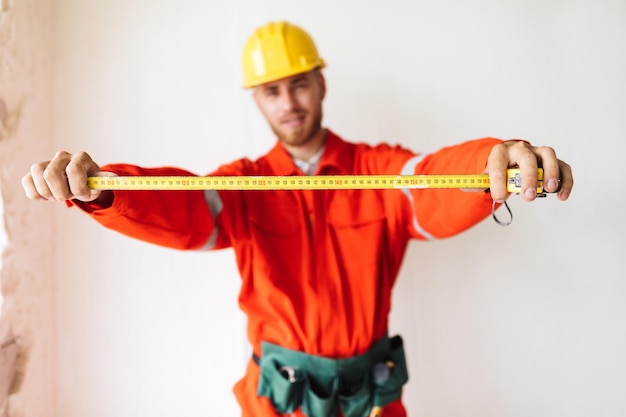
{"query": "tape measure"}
pixel 313 182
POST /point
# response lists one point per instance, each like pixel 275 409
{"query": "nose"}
pixel 288 101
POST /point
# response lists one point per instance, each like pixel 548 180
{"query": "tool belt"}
pixel 322 387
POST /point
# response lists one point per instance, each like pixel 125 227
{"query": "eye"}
pixel 270 92
pixel 301 84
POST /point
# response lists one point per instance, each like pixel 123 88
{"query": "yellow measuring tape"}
pixel 313 182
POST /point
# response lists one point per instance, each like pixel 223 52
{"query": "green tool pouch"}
pixel 322 387
pixel 387 390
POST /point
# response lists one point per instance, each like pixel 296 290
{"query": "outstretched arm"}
pixel 176 219
pixel 442 213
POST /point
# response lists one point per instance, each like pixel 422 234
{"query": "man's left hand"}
pixel 557 175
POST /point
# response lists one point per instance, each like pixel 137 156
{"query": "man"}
pixel 317 267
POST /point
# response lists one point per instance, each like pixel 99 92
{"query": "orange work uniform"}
pixel 317 266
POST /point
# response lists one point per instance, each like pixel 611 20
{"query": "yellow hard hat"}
pixel 278 50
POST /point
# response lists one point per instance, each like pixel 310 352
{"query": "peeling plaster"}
pixel 7 37
pixel 26 365
pixel 9 357
pixel 5 5
pixel 9 119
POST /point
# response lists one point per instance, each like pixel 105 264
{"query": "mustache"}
pixel 291 116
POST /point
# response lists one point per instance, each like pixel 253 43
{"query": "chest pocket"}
pixel 357 224
pixel 275 236
pixel 274 214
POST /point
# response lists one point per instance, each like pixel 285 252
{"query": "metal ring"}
pixel 493 214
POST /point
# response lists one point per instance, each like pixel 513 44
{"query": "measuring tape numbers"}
pixel 313 182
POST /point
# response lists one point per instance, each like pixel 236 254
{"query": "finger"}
pixel 526 159
pixel 94 194
pixel 55 176
pixel 36 177
pixel 567 181
pixel 28 184
pixel 497 164
pixel 80 190
pixel 78 169
pixel 551 170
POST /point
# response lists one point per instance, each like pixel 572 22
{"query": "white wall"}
pixel 522 321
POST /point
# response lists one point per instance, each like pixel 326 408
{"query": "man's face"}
pixel 293 106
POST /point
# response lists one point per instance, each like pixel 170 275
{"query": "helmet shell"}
pixel 278 50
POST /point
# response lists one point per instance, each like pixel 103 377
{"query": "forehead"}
pixel 309 75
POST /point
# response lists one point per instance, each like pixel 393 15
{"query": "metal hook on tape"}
pixel 495 217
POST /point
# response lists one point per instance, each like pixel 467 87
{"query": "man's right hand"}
pixel 64 177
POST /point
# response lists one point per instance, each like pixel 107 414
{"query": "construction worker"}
pixel 317 266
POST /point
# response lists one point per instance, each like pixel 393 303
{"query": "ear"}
pixel 322 84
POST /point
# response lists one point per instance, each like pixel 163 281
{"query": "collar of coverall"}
pixel 336 159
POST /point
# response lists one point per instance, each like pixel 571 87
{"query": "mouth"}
pixel 294 121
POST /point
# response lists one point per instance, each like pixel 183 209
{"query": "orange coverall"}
pixel 317 267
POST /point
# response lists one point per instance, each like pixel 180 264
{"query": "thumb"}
pixel 94 194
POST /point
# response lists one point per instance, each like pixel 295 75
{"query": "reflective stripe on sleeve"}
pixel 213 200
pixel 409 169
